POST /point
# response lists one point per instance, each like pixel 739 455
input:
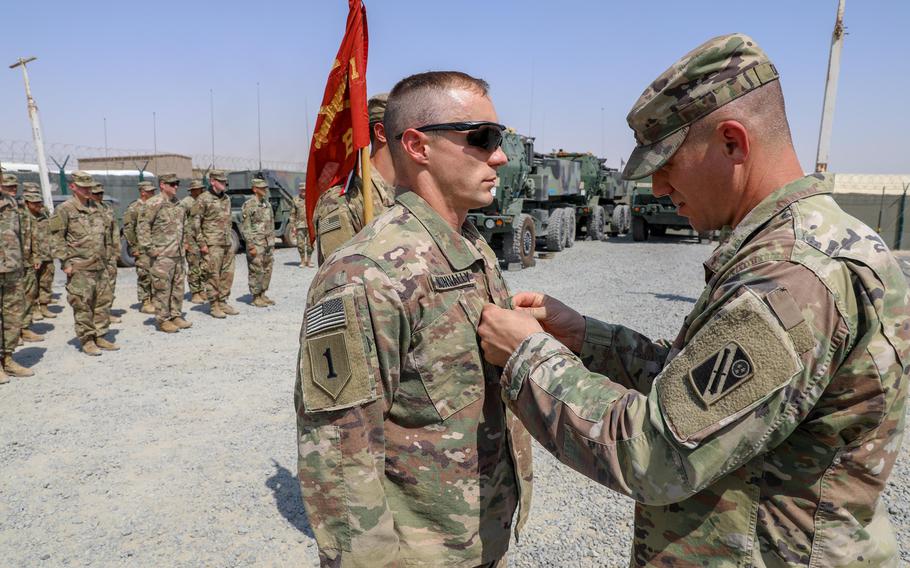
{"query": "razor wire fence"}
pixel 23 151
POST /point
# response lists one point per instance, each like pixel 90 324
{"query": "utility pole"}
pixel 824 133
pixel 36 134
pixel 212 112
pixel 259 124
pixel 155 142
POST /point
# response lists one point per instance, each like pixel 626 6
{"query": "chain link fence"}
pixel 23 151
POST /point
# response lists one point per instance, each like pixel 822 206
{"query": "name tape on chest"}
pixel 454 281
pixel 327 315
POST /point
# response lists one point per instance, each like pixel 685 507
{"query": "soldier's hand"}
pixel 294 232
pixel 502 331
pixel 186 248
pixel 36 265
pixel 556 318
pixel 68 270
pixel 204 249
pixel 252 250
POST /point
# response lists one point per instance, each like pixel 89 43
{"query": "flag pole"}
pixel 366 180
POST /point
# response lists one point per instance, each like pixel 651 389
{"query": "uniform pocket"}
pixel 446 354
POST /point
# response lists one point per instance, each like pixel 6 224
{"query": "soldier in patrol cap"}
pixel 113 247
pixel 130 218
pixel 38 254
pixel 765 433
pixel 339 211
pixel 14 255
pixel 434 466
pixel 213 233
pixel 42 257
pixel 299 225
pixel 81 231
pixel 194 271
pixel 258 228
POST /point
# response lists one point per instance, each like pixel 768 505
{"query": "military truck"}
pixel 653 215
pixel 601 207
pixel 282 188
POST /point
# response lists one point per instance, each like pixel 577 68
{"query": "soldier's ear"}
pixel 735 139
pixel 414 144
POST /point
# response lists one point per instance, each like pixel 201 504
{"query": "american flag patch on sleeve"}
pixel 327 315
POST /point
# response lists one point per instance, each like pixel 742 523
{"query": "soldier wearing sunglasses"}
pixel 408 455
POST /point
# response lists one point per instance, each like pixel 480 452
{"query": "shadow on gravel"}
pixel 118 312
pixel 201 308
pixel 149 321
pixel 667 297
pixel 55 309
pixel 30 356
pixel 286 489
pixel 246 299
pixel 41 328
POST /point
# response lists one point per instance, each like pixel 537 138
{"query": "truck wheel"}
pixel 596 224
pixel 616 222
pixel 519 245
pixel 125 258
pixel 639 229
pixel 288 238
pixel 235 241
pixel 569 216
pixel 556 237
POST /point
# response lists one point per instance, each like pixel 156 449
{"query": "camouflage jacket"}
pixel 214 227
pixel 25 228
pixel 160 227
pixel 765 433
pixel 191 227
pixel 130 218
pixel 112 241
pixel 407 453
pixel 40 237
pixel 338 215
pixel 12 256
pixel 80 233
pixel 258 223
pixel 298 213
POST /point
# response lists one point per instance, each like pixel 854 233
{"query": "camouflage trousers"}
pixel 167 287
pixel 143 279
pixel 45 282
pixel 195 274
pixel 12 305
pixel 303 245
pixel 30 294
pixel 106 298
pixel 260 269
pixel 219 273
pixel 85 290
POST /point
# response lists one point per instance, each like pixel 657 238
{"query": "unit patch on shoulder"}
pixel 445 282
pixel 720 373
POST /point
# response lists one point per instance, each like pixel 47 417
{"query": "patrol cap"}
pixel 97 188
pixel 31 192
pixel 218 175
pixel 301 186
pixel 9 180
pixel 168 178
pixel 30 186
pixel 197 184
pixel 82 179
pixel 376 107
pixel 713 74
pixel 146 186
pixel 259 183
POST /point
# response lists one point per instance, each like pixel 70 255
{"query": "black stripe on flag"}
pixel 327 315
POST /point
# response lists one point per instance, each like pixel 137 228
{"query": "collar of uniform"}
pixel 771 206
pixel 386 192
pixel 453 245
pixel 89 204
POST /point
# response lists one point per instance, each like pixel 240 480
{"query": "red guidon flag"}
pixel 343 125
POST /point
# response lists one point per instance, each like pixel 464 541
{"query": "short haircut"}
pixel 415 102
pixel 761 111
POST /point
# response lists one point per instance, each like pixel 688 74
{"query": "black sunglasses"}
pixel 174 183
pixel 480 133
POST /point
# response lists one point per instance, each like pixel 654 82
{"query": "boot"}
pixel 4 378
pixel 181 323
pixel 147 307
pixel 31 336
pixel 15 369
pixel 228 309
pixel 89 347
pixel 259 302
pixel 106 345
pixel 197 298
pixel 303 264
pixel 114 319
pixel 167 326
pixel 20 342
pixel 36 315
pixel 215 310
pixel 268 300
pixel 46 312
pixel 54 301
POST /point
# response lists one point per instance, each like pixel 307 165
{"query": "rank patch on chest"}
pixel 327 315
pixel 445 282
pixel 721 373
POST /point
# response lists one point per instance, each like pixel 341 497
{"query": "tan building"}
pixel 157 164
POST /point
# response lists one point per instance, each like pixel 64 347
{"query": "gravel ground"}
pixel 179 450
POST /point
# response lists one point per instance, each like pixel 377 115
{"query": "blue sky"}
pixel 125 60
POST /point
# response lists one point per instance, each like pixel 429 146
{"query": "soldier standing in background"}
pixel 338 215
pixel 214 238
pixel 12 264
pixel 32 207
pixel 258 228
pixel 10 187
pixel 42 255
pixel 80 232
pixel 407 454
pixel 299 225
pixel 160 232
pixel 130 218
pixel 113 248
pixel 194 268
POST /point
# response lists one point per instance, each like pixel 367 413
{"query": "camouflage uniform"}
pixel 39 253
pixel 407 454
pixel 143 280
pixel 765 433
pixel 112 244
pixel 29 274
pixel 298 221
pixel 214 231
pixel 12 264
pixel 338 215
pixel 258 228
pixel 195 278
pixel 160 232
pixel 42 255
pixel 81 232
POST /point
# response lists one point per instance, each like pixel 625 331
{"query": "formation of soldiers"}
pixel 175 244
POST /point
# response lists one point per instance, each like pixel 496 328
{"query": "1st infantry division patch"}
pixel 721 373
